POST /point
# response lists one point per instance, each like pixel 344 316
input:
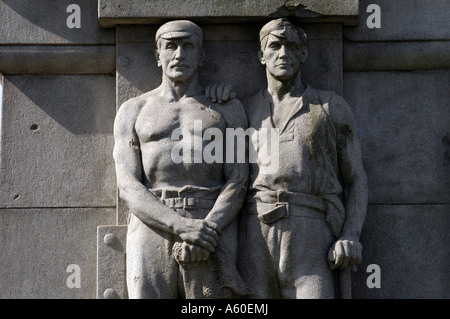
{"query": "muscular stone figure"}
pixel 182 234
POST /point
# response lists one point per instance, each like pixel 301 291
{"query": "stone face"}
pixel 403 121
pixel 45 22
pixel 115 12
pixel 410 244
pixel 38 245
pixel 57 141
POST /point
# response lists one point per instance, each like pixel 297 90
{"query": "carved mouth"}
pixel 180 66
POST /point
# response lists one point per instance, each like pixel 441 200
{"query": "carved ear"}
pixel 157 58
pixel 261 57
pixel 304 54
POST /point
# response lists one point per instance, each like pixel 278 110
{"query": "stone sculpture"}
pixel 182 232
pixel 298 228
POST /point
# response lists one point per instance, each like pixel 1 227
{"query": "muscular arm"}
pixel 233 193
pixel 141 202
pixel 348 249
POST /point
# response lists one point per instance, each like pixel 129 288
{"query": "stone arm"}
pixel 347 249
pixel 233 193
pixel 140 200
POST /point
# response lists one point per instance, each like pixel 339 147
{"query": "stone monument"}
pixel 296 214
pixel 67 67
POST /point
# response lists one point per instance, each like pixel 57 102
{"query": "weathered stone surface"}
pixel 45 22
pixel 37 246
pixel 392 56
pixel 137 71
pixel 57 141
pixel 115 12
pixel 111 270
pixel 403 121
pixel 57 59
pixel 410 244
pixel 404 20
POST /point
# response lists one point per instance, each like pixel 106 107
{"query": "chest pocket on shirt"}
pixel 289 133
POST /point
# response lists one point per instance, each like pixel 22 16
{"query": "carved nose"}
pixel 179 54
pixel 283 52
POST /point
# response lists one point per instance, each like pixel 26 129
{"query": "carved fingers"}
pixel 219 93
pixel 193 253
pixel 200 233
pixel 345 253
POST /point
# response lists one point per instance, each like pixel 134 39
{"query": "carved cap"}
pixel 281 28
pixel 178 29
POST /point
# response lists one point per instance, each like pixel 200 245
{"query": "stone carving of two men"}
pixel 228 229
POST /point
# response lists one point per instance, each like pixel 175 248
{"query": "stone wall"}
pixel 57 180
pixel 397 79
pixel 62 87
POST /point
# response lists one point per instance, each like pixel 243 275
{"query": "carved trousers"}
pixel 154 273
pixel 285 258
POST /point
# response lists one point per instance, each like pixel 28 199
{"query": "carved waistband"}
pixel 274 205
pixel 187 191
pixel 187 203
pixel 284 197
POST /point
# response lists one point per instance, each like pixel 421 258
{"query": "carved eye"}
pixel 275 46
pixel 171 46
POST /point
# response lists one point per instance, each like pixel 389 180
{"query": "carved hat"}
pixel 178 29
pixel 281 28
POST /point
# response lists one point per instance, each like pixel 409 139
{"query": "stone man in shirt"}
pixel 182 232
pixel 301 223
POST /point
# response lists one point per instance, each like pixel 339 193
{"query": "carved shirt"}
pixel 311 143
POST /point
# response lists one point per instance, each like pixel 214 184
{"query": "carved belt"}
pixel 273 206
pixel 188 203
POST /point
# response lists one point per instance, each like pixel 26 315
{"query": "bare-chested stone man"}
pixel 182 237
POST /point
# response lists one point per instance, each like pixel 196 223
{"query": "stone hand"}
pixel 200 233
pixel 192 253
pixel 219 93
pixel 345 252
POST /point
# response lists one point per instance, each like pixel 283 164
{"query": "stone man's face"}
pixel 180 58
pixel 283 56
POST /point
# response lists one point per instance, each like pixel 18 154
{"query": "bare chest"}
pixel 158 121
